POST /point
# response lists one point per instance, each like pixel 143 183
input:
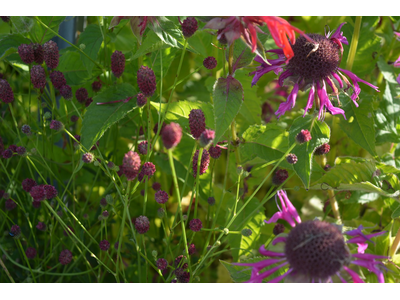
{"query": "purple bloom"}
pixel 10 204
pixel 30 253
pixel 313 67
pixel 104 245
pixel 161 197
pixel 314 251
pixel 41 226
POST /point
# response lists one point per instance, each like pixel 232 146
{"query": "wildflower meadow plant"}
pixel 151 149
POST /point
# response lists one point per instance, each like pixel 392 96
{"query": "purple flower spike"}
pixel 288 212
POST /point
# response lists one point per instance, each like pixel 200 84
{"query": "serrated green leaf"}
pixel 179 111
pixel 396 213
pixel 320 133
pixel 239 273
pixel 268 142
pixel 390 105
pixel 22 24
pixel 242 55
pixel 91 38
pixel 99 118
pixel 359 125
pixel 150 44
pixel 42 34
pixel 228 98
pixel 72 67
pixel 168 32
pixel 388 71
pixel 9 43
pixel 201 42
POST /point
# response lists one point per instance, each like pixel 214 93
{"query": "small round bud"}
pixel 323 149
pixel 81 95
pixel 56 125
pixel 88 158
pixel 184 217
pixel 105 214
pixel 278 229
pixel 82 46
pixel 26 129
pixel 226 231
pixel 96 86
pixel 66 92
pixel 189 27
pixel 142 147
pixel 30 253
pixel 156 186
pixel 142 224
pixel 117 63
pixel 280 176
pixel 154 253
pixel 303 136
pixel 104 245
pixel 210 62
pixel 211 201
pixel 195 225
pixel 65 257
pixel 74 118
pixel 239 170
pixel 41 226
pixel 291 159
pixel 57 79
pixel 141 100
pixel 161 197
pixel 215 152
pixel 15 231
pixel 162 264
pixel 47 115
pixel 9 204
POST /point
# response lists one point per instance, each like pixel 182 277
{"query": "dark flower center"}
pixel 314 61
pixel 316 249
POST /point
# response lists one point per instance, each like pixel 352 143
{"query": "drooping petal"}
pixel 339 35
pixel 397 63
pixel 283 76
pixel 310 100
pixel 362 247
pixel 279 278
pixel 289 104
pixel 290 207
pixel 260 277
pixel 398 79
pixel 266 252
pixel 340 277
pixel 326 103
pixel 356 278
pixel 261 264
pixel 281 239
pixel 337 77
pixel 369 256
pixel 354 79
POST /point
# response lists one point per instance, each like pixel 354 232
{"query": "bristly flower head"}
pixel 117 63
pixel 50 191
pixel 142 147
pixel 26 129
pixel 131 165
pixel 66 92
pixel 7 153
pixel 162 264
pixel 291 158
pixel 210 62
pixel 205 161
pixel 171 135
pixel 314 251
pixel 146 81
pixel 57 79
pixel 215 152
pixel 65 257
pixel 148 169
pixel 6 93
pixel 280 176
pixel 41 226
pixel 38 53
pixel 232 28
pixel 51 55
pixel 104 245
pixel 323 149
pixel 195 225
pixel 156 186
pixel 161 197
pixel 26 53
pixel 189 27
pixel 81 95
pixel 21 151
pixel 96 86
pixel 31 253
pixel 314 66
pixel 56 125
pixel 38 77
pixel 303 136
pixel 88 158
pixel 10 204
pixel 142 224
pixel 28 184
pixel 38 193
pixel 197 122
pixel 141 100
pixel 15 231
pixel 211 201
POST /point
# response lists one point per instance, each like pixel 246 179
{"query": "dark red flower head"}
pixel 31 253
pixel 57 79
pixel 6 93
pixel 88 158
pixel 10 204
pixel 28 184
pixel 205 161
pixel 142 147
pixel 117 63
pixel 96 86
pixel 171 135
pixel 81 95
pixel 15 231
pixel 142 224
pixel 189 27
pixel 197 122
pixel 38 77
pixel 141 100
pixel 291 158
pixel 146 81
pixel 65 257
pixel 66 92
pixel 131 165
pixel 280 176
pixel 104 245
pixel 156 186
pixel 56 125
pixel 26 53
pixel 323 149
pixel 51 55
pixel 41 226
pixel 303 136
pixel 38 193
pixel 38 53
pixel 161 197
pixel 50 191
pixel 210 62
pixel 162 264
pixel 195 225
pixel 215 152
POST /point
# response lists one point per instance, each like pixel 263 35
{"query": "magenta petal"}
pixel 310 100
pixel 281 239
pixel 283 76
pixel 354 275
pixel 398 79
pixel 265 252
pixel 369 256
pixel 278 215
pixel 261 276
pixel 362 247
pixel 355 81
pixel 292 210
pixel 289 104
pixel 397 63
pixel 340 277
pixel 279 278
pixel 339 80
pixel 339 35
pixel 259 265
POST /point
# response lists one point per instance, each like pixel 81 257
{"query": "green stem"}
pixel 354 43
pixel 199 158
pixel 26 259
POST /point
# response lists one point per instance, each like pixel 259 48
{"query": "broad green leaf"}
pixel 250 112
pixel 320 133
pixel 201 43
pixel 9 43
pixel 73 69
pixel 390 105
pixel 228 98
pixel 388 71
pixel 396 213
pixel 351 175
pixel 359 125
pixel 90 40
pixel 99 118
pixel 150 44
pixel 242 55
pixel 168 32
pixel 42 34
pixel 178 112
pixel 22 24
pixel 268 142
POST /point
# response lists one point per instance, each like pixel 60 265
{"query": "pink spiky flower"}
pixel 314 251
pixel 314 66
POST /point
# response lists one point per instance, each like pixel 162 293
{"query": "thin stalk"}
pixel 354 43
pixel 199 159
